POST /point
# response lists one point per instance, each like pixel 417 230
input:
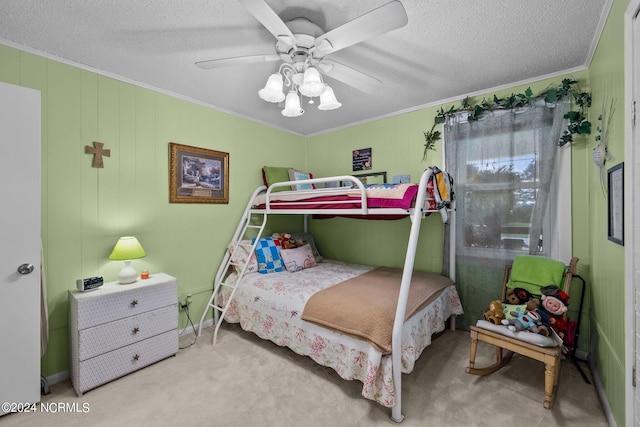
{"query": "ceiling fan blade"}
pixel 271 21
pixel 378 21
pixel 357 79
pixel 239 60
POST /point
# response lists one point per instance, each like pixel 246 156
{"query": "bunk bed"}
pixel 363 339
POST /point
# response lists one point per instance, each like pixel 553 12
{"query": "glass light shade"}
pixel 328 100
pixel 292 105
pixel 272 91
pixel 312 84
pixel 126 249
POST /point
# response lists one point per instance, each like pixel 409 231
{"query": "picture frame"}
pixel 362 159
pixel 368 178
pixel 198 175
pixel 615 185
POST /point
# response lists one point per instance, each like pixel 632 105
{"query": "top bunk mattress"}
pixel 398 196
pixel 356 199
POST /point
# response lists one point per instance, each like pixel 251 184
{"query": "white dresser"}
pixel 117 329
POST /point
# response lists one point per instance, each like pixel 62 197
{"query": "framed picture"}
pixel 368 178
pixel 197 175
pixel 362 159
pixel 615 183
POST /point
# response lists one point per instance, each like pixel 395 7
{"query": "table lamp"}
pixel 126 249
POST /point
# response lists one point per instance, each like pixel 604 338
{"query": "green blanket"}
pixel 533 272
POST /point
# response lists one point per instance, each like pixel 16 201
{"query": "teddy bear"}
pixel 520 296
pixel 554 305
pixel 286 242
pixel 494 313
pixel 529 321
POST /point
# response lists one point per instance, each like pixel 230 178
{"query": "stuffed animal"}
pixel 530 321
pixel 494 313
pixel 554 305
pixel 518 296
pixel 286 241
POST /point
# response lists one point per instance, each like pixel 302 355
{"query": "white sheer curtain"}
pixel 503 167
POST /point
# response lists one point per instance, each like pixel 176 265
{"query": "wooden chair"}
pixel 506 346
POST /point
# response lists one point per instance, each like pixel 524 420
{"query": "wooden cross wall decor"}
pixel 97 152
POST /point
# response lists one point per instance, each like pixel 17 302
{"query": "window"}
pixel 513 196
pixel 499 187
pixel 503 168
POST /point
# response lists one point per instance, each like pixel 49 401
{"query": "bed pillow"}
pixel 297 259
pixel 268 255
pixel 308 238
pixel 241 255
pixel 296 175
pixel 272 174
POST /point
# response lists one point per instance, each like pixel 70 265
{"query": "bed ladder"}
pixel 245 231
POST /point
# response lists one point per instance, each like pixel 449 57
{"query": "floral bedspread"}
pixel 271 305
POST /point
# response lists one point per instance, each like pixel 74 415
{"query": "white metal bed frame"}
pixel 416 215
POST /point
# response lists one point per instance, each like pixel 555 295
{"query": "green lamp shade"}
pixel 127 248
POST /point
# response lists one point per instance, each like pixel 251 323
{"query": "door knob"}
pixel 25 269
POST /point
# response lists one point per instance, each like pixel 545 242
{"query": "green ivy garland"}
pixel 430 137
pixel 578 123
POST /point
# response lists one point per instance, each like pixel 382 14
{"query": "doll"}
pixel 553 307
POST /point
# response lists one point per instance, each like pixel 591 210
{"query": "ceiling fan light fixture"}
pixel 328 100
pixel 292 105
pixel 302 47
pixel 297 79
pixel 312 84
pixel 286 39
pixel 324 45
pixel 272 91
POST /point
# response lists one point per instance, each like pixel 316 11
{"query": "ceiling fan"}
pixel 303 47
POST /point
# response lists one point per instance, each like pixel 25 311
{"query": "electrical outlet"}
pixel 184 301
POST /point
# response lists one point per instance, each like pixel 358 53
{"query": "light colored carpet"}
pixel 244 381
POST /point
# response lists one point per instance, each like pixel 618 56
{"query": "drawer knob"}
pixel 136 330
pixel 134 302
pixel 136 357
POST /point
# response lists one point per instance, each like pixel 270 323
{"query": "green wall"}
pixel 85 210
pixel 397 146
pixel 605 259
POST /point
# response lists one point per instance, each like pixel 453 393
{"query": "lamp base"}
pixel 128 274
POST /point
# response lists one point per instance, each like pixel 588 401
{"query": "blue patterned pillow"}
pixel 268 254
pixel 296 175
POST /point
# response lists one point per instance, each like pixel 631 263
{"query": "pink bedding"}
pixel 389 195
pixel 399 196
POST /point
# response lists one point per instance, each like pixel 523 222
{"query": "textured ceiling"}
pixel 448 49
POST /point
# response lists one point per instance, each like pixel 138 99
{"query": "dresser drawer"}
pixel 114 301
pixel 111 336
pixel 109 366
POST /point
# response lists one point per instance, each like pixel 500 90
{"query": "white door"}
pixel 632 205
pixel 634 246
pixel 19 245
